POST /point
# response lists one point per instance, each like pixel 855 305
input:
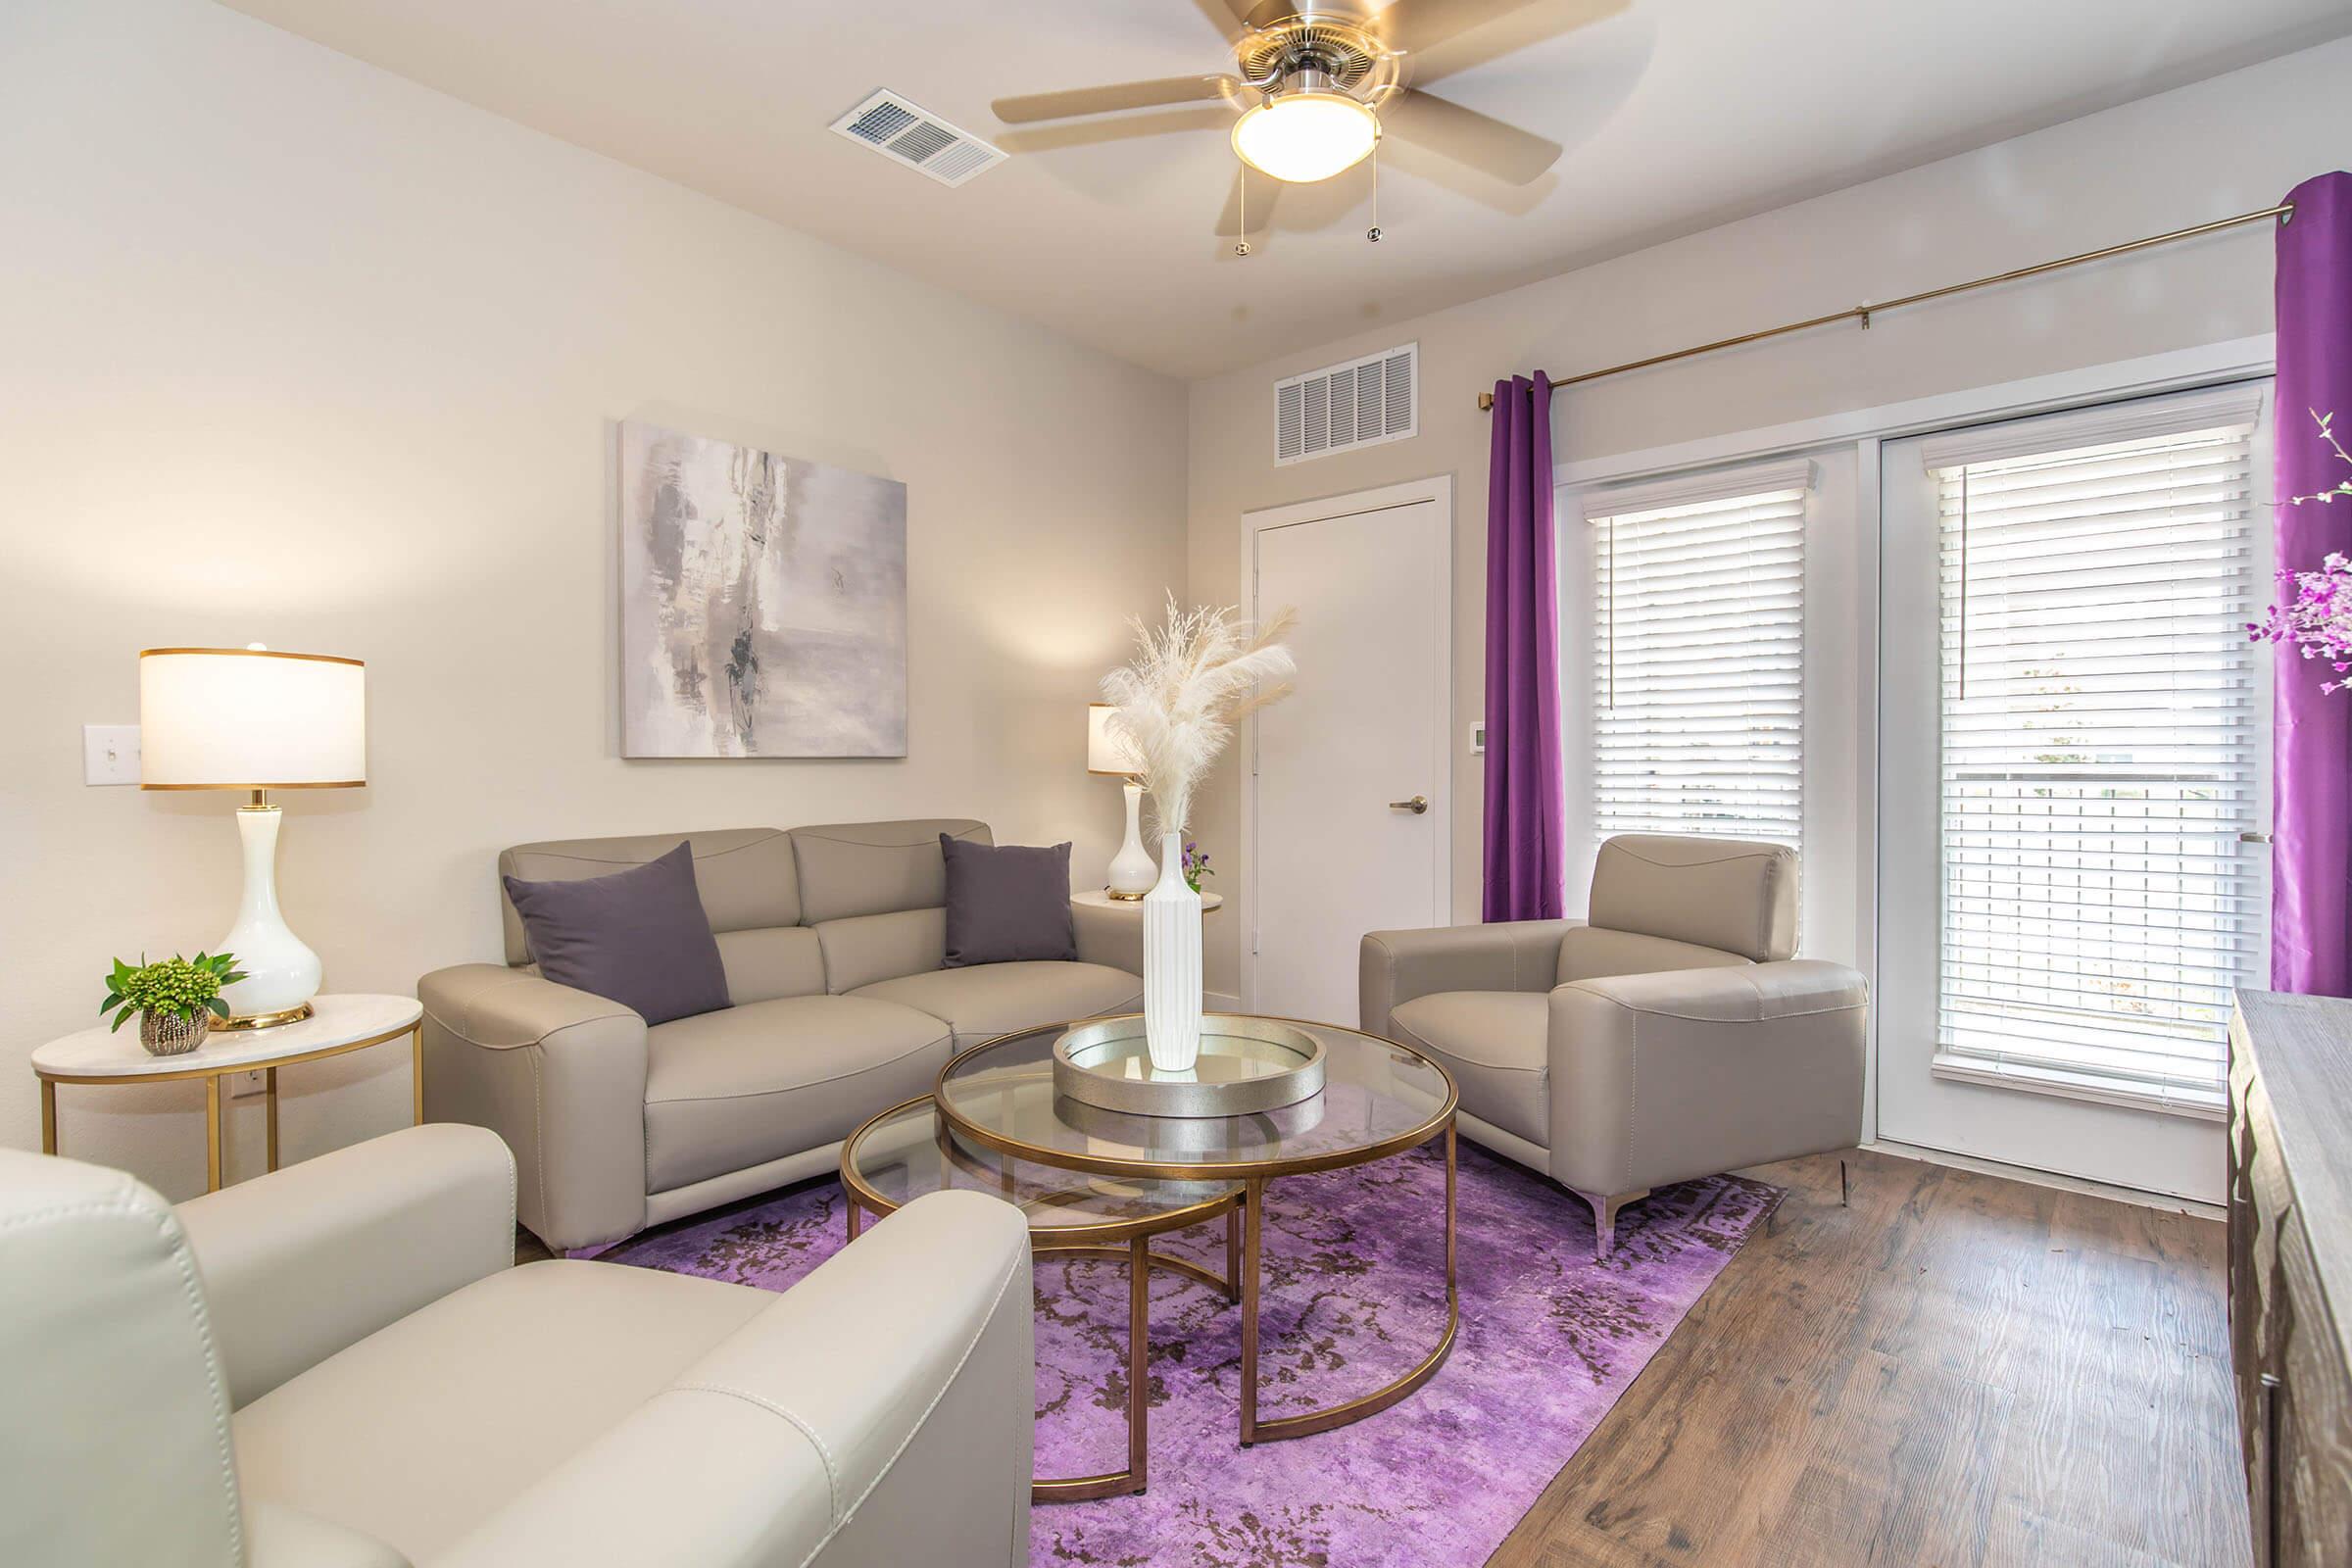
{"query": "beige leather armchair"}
pixel 336 1366
pixel 1670 1036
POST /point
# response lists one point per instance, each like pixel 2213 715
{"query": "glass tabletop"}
pixel 907 1152
pixel 1378 1099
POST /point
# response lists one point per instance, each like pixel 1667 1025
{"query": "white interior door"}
pixel 1338 847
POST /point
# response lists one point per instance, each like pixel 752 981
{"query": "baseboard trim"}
pixel 2047 1178
pixel 1218 1001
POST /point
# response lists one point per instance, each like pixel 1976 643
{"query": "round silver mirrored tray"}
pixel 1247 1065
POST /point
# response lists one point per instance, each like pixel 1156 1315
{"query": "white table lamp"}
pixel 1111 753
pixel 247 718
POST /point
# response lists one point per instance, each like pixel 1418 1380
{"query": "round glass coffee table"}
pixel 1380 1098
pixel 908 1151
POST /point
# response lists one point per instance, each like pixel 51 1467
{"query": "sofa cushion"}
pixel 866 948
pixel 996 998
pixel 1497 1044
pixel 423 1430
pixel 853 868
pixel 637 936
pixel 1007 902
pixel 729 1089
pixel 747 875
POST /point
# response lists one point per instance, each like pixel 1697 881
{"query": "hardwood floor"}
pixel 1959 1369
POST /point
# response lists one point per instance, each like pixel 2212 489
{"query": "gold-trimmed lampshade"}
pixel 1107 751
pixel 250 718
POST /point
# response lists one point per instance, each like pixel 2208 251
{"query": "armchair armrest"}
pixel 558 1073
pixel 1113 938
pixel 879 1411
pixel 304 1262
pixel 1735 1066
pixel 1396 966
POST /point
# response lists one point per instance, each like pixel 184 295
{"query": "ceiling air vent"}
pixel 922 141
pixel 1342 407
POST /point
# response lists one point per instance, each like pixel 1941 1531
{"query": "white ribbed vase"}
pixel 1173 963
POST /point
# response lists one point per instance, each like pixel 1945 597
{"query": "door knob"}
pixel 1417 805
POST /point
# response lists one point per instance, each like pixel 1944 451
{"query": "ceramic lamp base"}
pixel 1132 872
pixel 281 972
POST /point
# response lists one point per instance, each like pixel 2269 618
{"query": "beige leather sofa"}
pixel 337 1366
pixel 833 939
pixel 1670 1036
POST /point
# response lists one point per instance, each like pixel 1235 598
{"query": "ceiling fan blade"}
pixel 1513 155
pixel 1263 191
pixel 1036 106
pixel 1424 29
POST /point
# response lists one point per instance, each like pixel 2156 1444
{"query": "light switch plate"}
pixel 1478 739
pixel 110 754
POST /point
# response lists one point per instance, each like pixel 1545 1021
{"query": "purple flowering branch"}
pixel 2316 609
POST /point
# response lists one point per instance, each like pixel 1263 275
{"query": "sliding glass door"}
pixel 2073 752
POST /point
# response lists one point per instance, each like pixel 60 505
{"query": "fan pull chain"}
pixel 1373 234
pixel 1241 245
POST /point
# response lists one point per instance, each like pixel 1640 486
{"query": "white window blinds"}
pixel 2101 755
pixel 1698 656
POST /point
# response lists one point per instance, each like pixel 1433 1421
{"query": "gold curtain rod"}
pixel 1863 313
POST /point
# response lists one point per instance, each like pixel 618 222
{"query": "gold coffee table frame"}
pixel 1114 1240
pixel 1255 1175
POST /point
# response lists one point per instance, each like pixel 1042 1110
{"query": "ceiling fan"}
pixel 1318 85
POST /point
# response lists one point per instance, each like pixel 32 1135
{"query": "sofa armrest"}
pixel 304 1262
pixel 1396 966
pixel 558 1073
pixel 879 1411
pixel 1734 1066
pixel 1113 938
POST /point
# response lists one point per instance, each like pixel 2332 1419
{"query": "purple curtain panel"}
pixel 1526 815
pixel 2311 865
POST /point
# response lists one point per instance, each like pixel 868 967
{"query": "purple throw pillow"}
pixel 1006 903
pixel 638 936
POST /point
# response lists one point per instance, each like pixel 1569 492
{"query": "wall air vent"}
pixel 1342 407
pixel 922 141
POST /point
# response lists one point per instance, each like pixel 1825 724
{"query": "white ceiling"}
pixel 1676 115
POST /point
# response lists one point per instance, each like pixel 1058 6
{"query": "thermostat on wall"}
pixel 1478 739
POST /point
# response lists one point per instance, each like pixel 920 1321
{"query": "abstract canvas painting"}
pixel 763 603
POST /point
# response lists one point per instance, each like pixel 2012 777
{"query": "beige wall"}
pixel 2225 146
pixel 292 350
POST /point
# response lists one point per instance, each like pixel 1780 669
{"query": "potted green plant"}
pixel 175 999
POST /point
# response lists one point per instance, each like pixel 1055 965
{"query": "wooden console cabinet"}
pixel 2290 1271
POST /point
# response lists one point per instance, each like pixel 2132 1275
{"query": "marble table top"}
pixel 338 1019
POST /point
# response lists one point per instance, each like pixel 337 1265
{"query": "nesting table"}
pixel 1100 1183
pixel 351 1022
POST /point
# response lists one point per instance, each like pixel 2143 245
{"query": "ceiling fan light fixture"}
pixel 1304 137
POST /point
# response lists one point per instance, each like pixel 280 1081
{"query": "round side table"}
pixel 1098 899
pixel 339 1023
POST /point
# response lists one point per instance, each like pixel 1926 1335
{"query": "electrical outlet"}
pixel 110 754
pixel 245 1084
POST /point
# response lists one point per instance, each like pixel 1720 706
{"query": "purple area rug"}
pixel 1354 1297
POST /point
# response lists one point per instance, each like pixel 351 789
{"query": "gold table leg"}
pixel 856 1215
pixel 1233 1254
pixel 212 1133
pixel 1140 1261
pixel 269 1111
pixel 48 1115
pixel 1339 1415
pixel 416 1074
pixel 1139 1354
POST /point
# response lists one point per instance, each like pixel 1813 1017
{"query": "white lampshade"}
pixel 247 718
pixel 1306 136
pixel 1106 750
